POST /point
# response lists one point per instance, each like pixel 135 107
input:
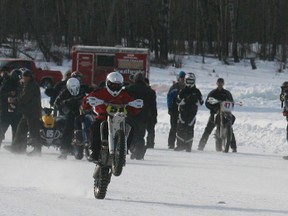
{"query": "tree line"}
pixel 221 28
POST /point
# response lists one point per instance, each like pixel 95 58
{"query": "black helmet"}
pixel 26 72
pixel 16 74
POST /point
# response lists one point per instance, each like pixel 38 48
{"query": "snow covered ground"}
pixel 253 181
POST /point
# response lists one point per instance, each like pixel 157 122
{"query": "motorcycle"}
pixel 114 133
pixel 80 140
pixel 224 121
pixel 51 131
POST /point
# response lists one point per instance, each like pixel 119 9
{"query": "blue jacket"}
pixel 172 99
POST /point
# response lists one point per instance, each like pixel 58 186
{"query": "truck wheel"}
pixel 46 83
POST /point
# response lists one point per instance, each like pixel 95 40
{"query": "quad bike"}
pixel 51 128
pixel 224 121
pixel 114 133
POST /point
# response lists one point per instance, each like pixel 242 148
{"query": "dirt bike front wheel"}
pixel 228 139
pixel 101 181
pixel 119 157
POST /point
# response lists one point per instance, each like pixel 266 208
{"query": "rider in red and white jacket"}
pixel 113 93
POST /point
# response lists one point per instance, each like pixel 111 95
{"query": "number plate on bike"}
pixel 113 109
pixel 226 106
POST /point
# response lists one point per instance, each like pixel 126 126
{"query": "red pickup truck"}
pixel 45 78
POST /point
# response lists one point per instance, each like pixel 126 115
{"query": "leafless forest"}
pixel 225 29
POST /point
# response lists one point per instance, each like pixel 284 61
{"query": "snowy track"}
pixel 165 183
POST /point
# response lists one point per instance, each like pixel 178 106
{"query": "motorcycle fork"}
pixel 104 152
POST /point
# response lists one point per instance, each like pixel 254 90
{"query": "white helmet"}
pixel 114 83
pixel 190 79
pixel 73 86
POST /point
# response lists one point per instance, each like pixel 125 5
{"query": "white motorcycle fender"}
pixel 212 100
pixel 138 103
pixel 93 101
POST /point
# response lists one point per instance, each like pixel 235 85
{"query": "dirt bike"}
pixel 114 133
pixel 224 121
pixel 80 140
pixel 51 129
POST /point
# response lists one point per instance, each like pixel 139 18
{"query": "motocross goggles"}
pixel 115 87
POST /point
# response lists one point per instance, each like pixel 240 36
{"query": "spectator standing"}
pixel 173 107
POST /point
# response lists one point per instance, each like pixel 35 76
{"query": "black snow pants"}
pixel 31 125
pixel 173 130
pixel 7 119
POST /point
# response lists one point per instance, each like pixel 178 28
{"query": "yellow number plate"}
pixel 114 109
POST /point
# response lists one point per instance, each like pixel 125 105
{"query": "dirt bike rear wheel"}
pixel 119 157
pixel 101 181
pixel 78 152
pixel 218 144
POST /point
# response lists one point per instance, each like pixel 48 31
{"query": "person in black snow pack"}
pixel 69 102
pixel 29 105
pixel 284 105
pixel 9 114
pixel 223 95
pixel 152 121
pixel 188 100
pixel 140 90
pixel 173 107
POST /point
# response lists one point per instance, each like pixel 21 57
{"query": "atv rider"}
pixel 188 99
pixel 114 93
pixel 223 95
pixel 69 102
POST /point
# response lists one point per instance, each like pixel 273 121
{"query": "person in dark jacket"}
pixel 29 104
pixel 152 121
pixel 69 102
pixel 173 107
pixel 4 74
pixel 188 100
pixel 223 95
pixel 9 114
pixel 140 90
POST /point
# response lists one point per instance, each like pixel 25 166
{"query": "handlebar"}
pixel 94 102
pixel 212 100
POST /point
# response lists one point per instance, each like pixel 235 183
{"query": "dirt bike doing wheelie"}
pixel 114 133
pixel 224 121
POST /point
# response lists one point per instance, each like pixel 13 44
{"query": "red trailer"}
pixel 95 62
